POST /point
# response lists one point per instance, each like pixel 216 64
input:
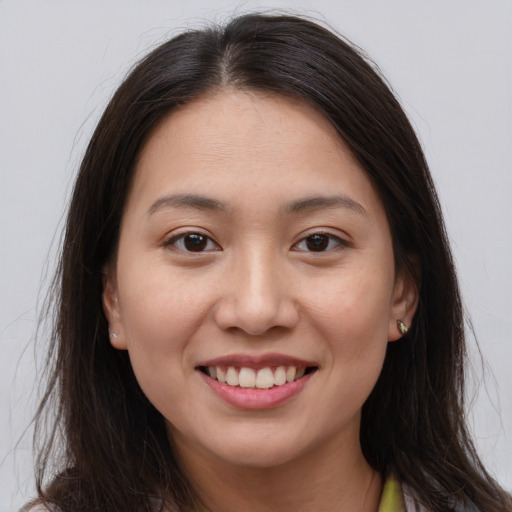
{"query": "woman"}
pixel 257 306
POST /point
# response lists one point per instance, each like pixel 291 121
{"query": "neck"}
pixel 327 480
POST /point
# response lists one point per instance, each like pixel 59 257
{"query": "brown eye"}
pixel 195 242
pixel 319 242
pixel 192 242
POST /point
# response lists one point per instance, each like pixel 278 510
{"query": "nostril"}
pixel 255 311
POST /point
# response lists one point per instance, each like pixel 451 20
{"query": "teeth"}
pixel 280 376
pixel 232 377
pixel 290 373
pixel 300 373
pixel 264 378
pixel 221 374
pixel 247 378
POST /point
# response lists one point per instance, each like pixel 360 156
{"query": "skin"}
pixel 257 288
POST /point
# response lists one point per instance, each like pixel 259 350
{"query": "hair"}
pixel 116 454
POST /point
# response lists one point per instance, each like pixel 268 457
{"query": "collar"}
pixel 392 499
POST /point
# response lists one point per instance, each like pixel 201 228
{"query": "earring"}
pixel 401 327
pixel 112 335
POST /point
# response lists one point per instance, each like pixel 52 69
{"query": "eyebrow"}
pixel 186 201
pixel 308 204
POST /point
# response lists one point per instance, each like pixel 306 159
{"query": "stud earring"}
pixel 112 335
pixel 401 327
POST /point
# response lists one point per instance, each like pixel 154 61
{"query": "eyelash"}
pixel 194 237
pixel 319 240
pixel 202 242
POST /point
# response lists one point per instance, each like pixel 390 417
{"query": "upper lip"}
pixel 257 361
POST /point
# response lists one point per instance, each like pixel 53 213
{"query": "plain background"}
pixel 450 63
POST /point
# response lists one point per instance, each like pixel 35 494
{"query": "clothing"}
pixel 399 498
pixel 392 499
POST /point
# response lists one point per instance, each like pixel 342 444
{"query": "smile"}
pixel 251 378
pixel 257 382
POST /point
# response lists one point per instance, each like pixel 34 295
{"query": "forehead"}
pixel 245 121
pixel 233 140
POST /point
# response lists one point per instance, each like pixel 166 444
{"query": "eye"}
pixel 319 242
pixel 192 242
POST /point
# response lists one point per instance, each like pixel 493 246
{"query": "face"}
pixel 254 287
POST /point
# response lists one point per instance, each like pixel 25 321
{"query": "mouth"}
pixel 266 377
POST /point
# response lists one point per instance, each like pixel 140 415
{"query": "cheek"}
pixel 352 318
pixel 159 323
pixel 158 304
pixel 354 324
pixel 353 311
pixel 160 315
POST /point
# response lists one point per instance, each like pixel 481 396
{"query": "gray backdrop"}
pixel 449 62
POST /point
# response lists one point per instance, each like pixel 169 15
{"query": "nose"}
pixel 256 297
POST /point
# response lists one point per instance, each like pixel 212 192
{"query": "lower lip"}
pixel 244 398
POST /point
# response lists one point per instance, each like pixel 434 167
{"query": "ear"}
pixel 405 302
pixel 112 310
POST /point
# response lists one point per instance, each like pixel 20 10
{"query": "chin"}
pixel 256 456
pixel 243 446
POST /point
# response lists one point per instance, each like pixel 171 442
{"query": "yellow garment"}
pixel 392 497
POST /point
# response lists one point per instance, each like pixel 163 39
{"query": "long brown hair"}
pixel 116 455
